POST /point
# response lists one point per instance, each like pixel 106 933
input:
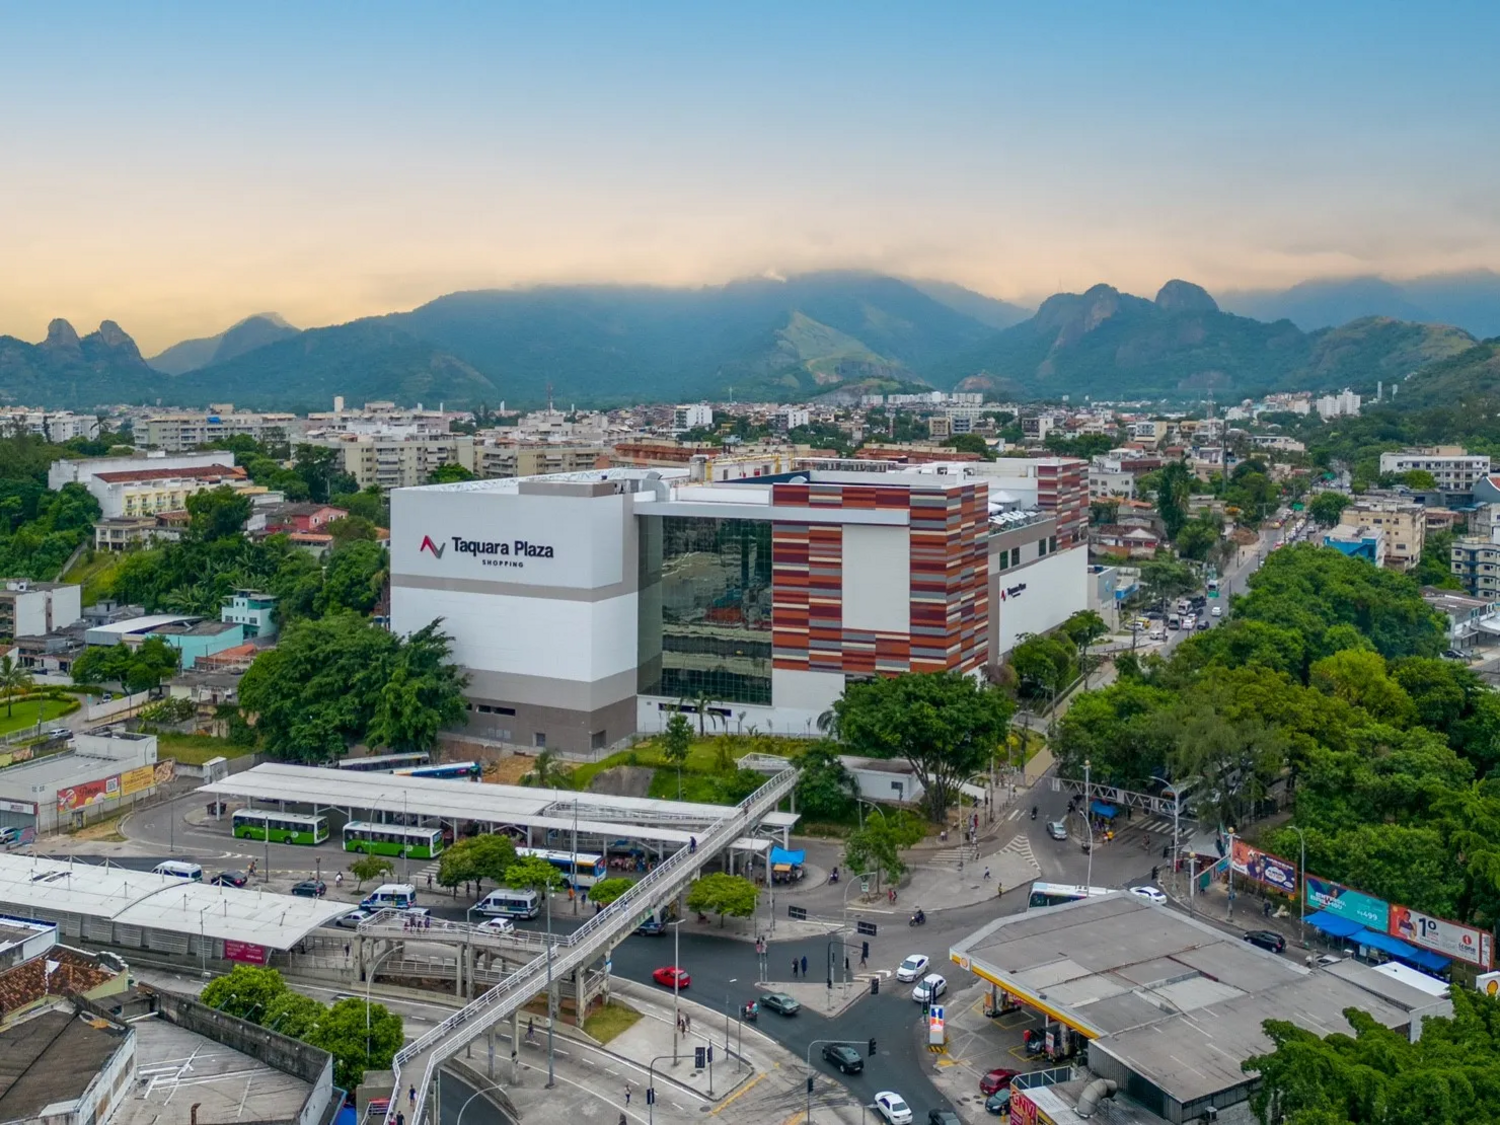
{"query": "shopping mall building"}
pixel 585 607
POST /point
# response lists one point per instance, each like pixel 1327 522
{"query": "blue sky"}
pixel 176 167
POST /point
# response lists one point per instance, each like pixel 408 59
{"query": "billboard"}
pixel 1340 901
pixel 1264 868
pixel 1451 939
pixel 244 951
pixel 87 793
pixel 134 781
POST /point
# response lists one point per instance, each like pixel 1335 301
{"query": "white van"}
pixel 390 896
pixel 179 869
pixel 507 903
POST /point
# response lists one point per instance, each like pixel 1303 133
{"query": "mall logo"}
pixel 429 545
pixel 520 548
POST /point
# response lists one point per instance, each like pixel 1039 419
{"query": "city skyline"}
pixel 182 170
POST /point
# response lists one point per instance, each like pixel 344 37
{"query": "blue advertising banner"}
pixel 1339 900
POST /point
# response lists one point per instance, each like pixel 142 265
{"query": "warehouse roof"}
pixel 596 813
pixel 37 887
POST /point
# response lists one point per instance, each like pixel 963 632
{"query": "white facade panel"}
pixel 549 637
pixel 877 578
pixel 1039 597
pixel 568 541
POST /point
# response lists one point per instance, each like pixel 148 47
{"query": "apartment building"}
pixel 1110 480
pixel 82 471
pixel 1057 485
pixel 389 460
pixel 1454 469
pixel 32 609
pixel 1345 404
pixel 1035 428
pixel 54 426
pixel 698 416
pixel 1404 523
pixel 150 492
pixel 1358 541
pixel 182 431
pixel 1476 563
pixel 499 459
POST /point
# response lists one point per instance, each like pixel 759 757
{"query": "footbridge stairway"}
pixel 418 1063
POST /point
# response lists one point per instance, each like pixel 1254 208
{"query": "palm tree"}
pixel 702 703
pixel 547 772
pixel 13 678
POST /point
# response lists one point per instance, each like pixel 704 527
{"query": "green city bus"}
pixel 280 827
pixel 392 839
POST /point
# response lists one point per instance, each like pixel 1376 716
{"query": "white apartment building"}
pixel 85 469
pixel 697 416
pixel 1148 430
pixel 501 459
pixel 34 609
pixel 1036 427
pixel 1343 404
pixel 1455 470
pixel 791 418
pixel 55 426
pixel 181 431
pixel 389 460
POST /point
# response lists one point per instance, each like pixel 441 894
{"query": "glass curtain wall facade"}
pixel 705 609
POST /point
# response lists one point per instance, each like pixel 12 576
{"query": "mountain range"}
pixel 755 339
pixel 1470 301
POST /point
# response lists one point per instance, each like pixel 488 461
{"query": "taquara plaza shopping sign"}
pixel 489 552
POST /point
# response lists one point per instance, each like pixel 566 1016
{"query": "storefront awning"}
pixel 1100 808
pixel 1333 925
pixel 1422 958
pixel 782 856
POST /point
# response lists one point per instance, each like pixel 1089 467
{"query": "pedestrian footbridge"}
pixel 417 1064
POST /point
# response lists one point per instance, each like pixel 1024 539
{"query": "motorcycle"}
pixel 1033 812
pixel 918 919
pixel 750 1012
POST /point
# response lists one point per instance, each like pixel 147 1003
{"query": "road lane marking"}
pixel 737 1094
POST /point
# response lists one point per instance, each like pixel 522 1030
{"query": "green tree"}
pixel 355 578
pixel 548 771
pixel 1326 508
pixel 294 1015
pixel 1198 538
pixel 246 992
pixel 676 742
pixel 424 693
pixel 1359 677
pixel 1166 579
pixel 450 473
pixel 1435 567
pixel 1419 480
pixel 825 787
pixel 531 873
pixel 358 1040
pixel 605 891
pixel 1044 665
pixel 486 856
pixel 1174 485
pixel 370 867
pixel 728 896
pixel 217 513
pixel 876 846
pixel 350 529
pixel 944 724
pixel 13 679
pixel 971 443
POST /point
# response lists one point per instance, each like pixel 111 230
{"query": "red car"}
pixel 670 976
pixel 996 1080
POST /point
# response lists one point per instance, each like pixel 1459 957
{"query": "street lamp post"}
pixel 551 1015
pixel 676 978
pixel 1302 888
pixel 1088 821
pixel 732 980
pixel 1230 915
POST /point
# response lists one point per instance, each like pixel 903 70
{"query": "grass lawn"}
pixel 97 576
pixel 27 712
pixel 609 1021
pixel 703 757
pixel 195 749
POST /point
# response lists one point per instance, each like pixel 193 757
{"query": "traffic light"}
pixel 874 986
pixel 710 1052
pixel 650 1095
pixel 864 951
pixel 699 1058
pixel 809 1084
pixel 872 1048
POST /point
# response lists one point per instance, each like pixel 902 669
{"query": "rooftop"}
pixel 192 472
pixel 52 1057
pixel 33 885
pixel 1172 998
pixel 175 1066
pixel 141 624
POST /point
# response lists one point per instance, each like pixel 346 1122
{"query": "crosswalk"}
pixel 1020 847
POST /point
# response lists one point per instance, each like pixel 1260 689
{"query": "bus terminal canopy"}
pixel 53 889
pixel 669 823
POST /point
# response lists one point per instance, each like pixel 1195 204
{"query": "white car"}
pixel 352 920
pixel 931 987
pixel 892 1106
pixel 1151 894
pixel 1217 611
pixel 495 926
pixel 912 968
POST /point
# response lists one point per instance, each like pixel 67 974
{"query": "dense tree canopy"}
pixel 340 680
pixel 945 725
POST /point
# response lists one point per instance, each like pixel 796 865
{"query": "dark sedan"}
pixel 231 879
pixel 1267 939
pixel 943 1117
pixel 843 1056
pixel 310 888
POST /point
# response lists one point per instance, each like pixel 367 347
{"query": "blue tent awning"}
pixel 1421 958
pixel 1099 808
pixel 781 855
pixel 1333 925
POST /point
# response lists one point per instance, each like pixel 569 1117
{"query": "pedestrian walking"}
pixel 986 874
pixel 687 1024
pixel 429 881
pixel 400 1118
pixel 622 1120
pixel 846 964
pixel 862 962
pixel 531 1029
pixel 794 968
pixel 1266 908
pixel 411 1096
pixel 804 966
pixel 627 1095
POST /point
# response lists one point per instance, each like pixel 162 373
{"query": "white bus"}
pixel 508 903
pixel 393 896
pixel 1055 894
pixel 579 870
